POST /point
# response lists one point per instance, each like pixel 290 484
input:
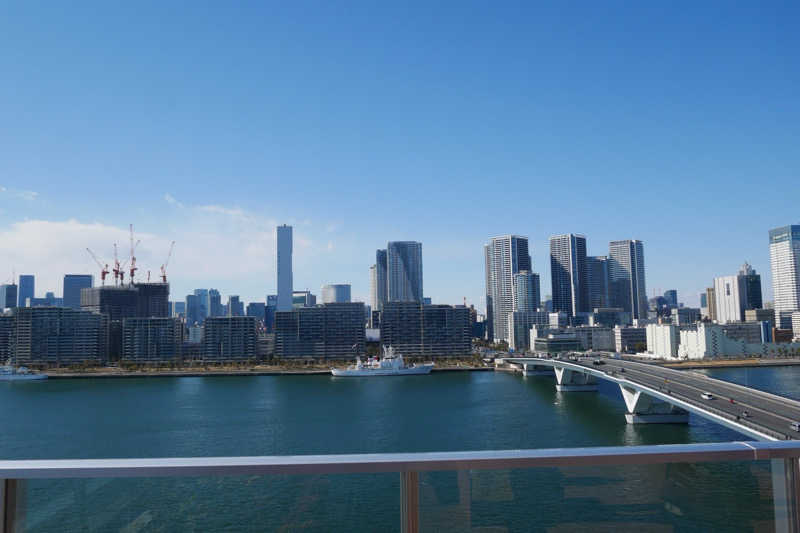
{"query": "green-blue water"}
pixel 178 417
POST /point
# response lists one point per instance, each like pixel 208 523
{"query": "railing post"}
pixel 786 494
pixel 409 502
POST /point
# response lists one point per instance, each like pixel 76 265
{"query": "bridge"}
pixel 655 394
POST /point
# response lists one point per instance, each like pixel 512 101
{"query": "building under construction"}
pixel 153 300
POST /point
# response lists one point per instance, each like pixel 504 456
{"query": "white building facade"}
pixel 784 258
pixel 505 256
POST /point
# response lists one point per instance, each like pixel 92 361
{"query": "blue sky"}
pixel 445 122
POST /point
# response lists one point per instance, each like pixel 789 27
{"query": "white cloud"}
pixel 229 248
pixel 171 200
pixel 21 193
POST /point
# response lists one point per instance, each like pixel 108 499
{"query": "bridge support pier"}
pixel 568 380
pixel 644 409
pixel 530 369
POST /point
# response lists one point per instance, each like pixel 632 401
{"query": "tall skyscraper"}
pixel 671 297
pixel 626 276
pixel 568 274
pixel 235 306
pixel 202 304
pixel 736 294
pixel 784 258
pixel 285 282
pixel 27 284
pixel 597 281
pixel 336 294
pixel 711 299
pixel 73 283
pixel 525 294
pixel 505 256
pixel 373 287
pixel 489 305
pixel 752 282
pixel 8 295
pixel 404 271
pixel 214 304
pixel 193 313
pixel 381 281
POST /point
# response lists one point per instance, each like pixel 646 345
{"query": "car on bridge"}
pixel 707 396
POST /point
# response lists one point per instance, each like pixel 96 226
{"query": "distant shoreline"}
pixel 122 374
pixel 732 363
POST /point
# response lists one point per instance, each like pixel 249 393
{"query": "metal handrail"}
pixel 397 462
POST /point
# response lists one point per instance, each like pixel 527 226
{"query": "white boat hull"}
pixel 22 377
pixel 365 372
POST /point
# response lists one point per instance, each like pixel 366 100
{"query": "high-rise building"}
pixel 597 281
pixel 334 330
pixel 257 310
pixel 231 338
pixel 373 287
pixel 73 283
pixel 336 294
pixel 202 304
pixel 303 299
pixel 214 304
pixel 752 282
pixel 626 275
pixel 568 274
pixel 671 298
pixel 193 310
pixel 56 336
pixel 8 295
pixel 417 330
pixel 285 282
pixel 177 309
pixel 269 312
pixel 489 334
pixel 736 294
pixel 784 257
pixel 525 292
pixel 151 340
pixel 27 289
pixel 153 300
pixel 235 306
pixel 711 299
pixel 381 280
pixel 404 271
pixel 506 255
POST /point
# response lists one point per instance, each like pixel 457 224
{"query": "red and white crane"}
pixel 133 267
pixel 103 269
pixel 164 266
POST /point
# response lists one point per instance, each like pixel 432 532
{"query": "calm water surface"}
pixel 280 415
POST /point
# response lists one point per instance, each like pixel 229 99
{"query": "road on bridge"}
pixel 761 411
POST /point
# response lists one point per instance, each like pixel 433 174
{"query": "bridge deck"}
pixel 768 416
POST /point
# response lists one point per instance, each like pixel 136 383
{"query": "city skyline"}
pixel 403 149
pixel 690 299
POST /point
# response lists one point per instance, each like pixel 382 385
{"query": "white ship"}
pixel 390 365
pixel 9 372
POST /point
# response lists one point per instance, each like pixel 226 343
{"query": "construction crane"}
pixel 103 269
pixel 118 272
pixel 164 266
pixel 133 268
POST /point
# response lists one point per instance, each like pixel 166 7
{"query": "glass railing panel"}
pixel 342 502
pixel 735 496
